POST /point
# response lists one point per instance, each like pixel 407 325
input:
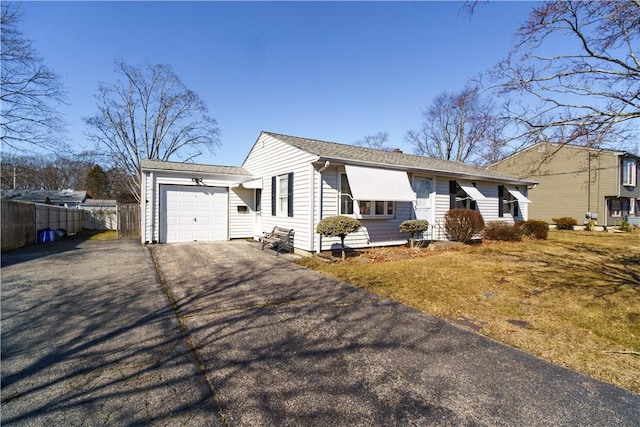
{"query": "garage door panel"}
pixel 180 205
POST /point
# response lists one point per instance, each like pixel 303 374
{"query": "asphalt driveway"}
pixel 90 339
pixel 229 335
pixel 283 345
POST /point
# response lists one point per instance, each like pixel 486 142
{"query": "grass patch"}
pixel 573 299
pixel 98 235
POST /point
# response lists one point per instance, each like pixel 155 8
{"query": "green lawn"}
pixel 573 299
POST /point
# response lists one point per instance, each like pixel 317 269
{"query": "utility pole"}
pixel 589 184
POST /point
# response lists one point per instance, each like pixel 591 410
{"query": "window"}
pixel 629 172
pixel 366 208
pixel 459 198
pixel 282 195
pixel 376 208
pixel 346 199
pixel 510 204
pixel 615 206
pixel 258 199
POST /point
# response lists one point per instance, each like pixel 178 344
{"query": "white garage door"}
pixel 190 213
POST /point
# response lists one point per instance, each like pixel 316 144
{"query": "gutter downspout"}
pixel 320 194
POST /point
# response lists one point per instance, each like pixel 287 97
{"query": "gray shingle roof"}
pixel 350 153
pixel 39 196
pixel 193 167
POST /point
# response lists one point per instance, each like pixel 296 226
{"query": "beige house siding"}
pixel 572 180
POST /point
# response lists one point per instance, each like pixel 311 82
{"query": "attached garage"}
pixel 193 213
pixel 186 202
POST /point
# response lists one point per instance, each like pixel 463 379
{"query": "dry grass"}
pixel 573 299
pixel 98 234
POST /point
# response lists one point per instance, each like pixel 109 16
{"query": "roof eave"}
pixel 440 172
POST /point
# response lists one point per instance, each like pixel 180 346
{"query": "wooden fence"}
pixel 128 221
pixel 21 222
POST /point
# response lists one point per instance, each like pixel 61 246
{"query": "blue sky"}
pixel 335 71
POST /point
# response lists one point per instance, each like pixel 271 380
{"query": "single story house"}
pixel 294 182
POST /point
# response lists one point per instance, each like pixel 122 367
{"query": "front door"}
pixel 423 188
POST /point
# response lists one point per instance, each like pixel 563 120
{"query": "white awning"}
pixel 253 184
pixel 472 191
pixel 518 195
pixel 379 184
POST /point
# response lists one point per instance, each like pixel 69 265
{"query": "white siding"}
pixel 271 157
pixel 374 232
pixel 151 203
pixel 442 199
pixel 489 207
pixel 240 221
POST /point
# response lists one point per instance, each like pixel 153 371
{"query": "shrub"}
pixel 625 226
pixel 534 228
pixel 414 226
pixel 338 226
pixel 499 230
pixel 565 223
pixel 590 226
pixel 463 224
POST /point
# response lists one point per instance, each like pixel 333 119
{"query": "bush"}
pixel 625 226
pixel 338 226
pixel 534 228
pixel 590 226
pixel 463 224
pixel 499 230
pixel 414 226
pixel 565 223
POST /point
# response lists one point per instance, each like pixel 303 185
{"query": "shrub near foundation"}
pixel 503 231
pixel 338 226
pixel 565 223
pixel 463 224
pixel 534 228
pixel 413 227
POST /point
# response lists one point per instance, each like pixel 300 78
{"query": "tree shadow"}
pixel 88 340
pixel 283 345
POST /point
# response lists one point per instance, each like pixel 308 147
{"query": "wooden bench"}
pixel 279 238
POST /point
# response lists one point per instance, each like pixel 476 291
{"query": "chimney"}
pixel 397 150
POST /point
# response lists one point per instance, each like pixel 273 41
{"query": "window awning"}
pixel 518 195
pixel 379 184
pixel 253 184
pixel 472 191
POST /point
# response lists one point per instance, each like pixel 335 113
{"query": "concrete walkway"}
pixel 283 345
pixel 89 338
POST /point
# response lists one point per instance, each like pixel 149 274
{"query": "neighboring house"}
pixel 65 198
pixel 295 182
pixel 579 182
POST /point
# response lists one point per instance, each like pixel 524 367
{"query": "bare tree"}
pixel 29 90
pixel 459 127
pixel 150 114
pixel 46 172
pixel 377 141
pixel 574 74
